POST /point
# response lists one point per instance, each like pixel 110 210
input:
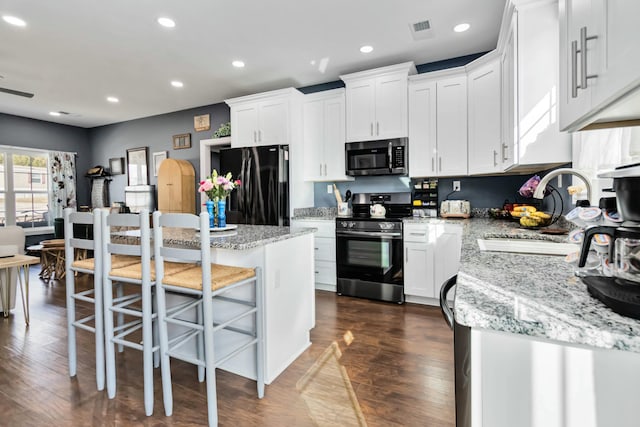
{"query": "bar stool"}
pixel 222 283
pixel 136 305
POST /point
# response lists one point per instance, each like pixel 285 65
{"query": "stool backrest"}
pixel 85 240
pixel 201 254
pixel 138 243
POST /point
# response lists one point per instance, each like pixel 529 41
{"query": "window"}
pixel 24 190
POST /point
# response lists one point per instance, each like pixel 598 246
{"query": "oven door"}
pixel 369 265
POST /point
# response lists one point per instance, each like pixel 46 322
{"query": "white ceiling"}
pixel 74 53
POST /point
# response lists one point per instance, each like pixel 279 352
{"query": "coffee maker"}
pixel 619 285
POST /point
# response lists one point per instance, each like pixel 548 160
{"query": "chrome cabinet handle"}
pixel 505 150
pixel 255 136
pixel 325 169
pixel 574 69
pixel 377 128
pixel 260 135
pixel 495 158
pixel 432 164
pixel 406 254
pixel 584 76
pixel 371 129
pixel 440 163
pixel 320 169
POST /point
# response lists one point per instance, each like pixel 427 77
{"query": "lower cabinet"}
pixel 431 256
pixel 324 249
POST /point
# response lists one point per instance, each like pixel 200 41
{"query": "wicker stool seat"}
pixel 117 261
pixel 221 276
pixel 134 271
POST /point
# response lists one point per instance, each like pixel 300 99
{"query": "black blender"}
pixel 621 290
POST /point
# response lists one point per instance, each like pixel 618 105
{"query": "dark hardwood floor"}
pixel 370 363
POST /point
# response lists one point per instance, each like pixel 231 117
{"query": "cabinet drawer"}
pixel 325 272
pixel 325 249
pixel 416 233
pixel 326 228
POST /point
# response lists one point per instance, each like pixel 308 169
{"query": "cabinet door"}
pixel 452 126
pixel 361 110
pixel 422 129
pixel 509 98
pixel 576 101
pixel 334 139
pixel 244 125
pixel 484 119
pixel 618 36
pixel 313 137
pixel 391 107
pixel 419 269
pixel 274 122
pixel 448 245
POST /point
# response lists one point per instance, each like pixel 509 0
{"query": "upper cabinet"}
pixel 485 144
pixel 323 121
pixel 376 103
pixel 599 62
pixel 438 124
pixel 529 58
pixel 263 119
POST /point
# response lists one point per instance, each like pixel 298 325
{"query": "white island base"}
pixel 289 315
pixel 517 380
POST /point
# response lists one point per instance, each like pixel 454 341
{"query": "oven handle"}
pixel 370 234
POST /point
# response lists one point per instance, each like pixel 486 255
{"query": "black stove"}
pixel 369 250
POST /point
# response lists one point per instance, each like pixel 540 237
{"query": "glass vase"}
pixel 212 217
pixel 222 216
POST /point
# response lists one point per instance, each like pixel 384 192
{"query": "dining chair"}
pixel 136 304
pixel 182 296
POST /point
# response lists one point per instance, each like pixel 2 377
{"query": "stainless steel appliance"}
pixel 369 250
pixel 263 196
pixel 384 157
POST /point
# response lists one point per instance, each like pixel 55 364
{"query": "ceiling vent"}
pixel 16 92
pixel 421 30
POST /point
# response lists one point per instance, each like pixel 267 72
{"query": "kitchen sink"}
pixel 527 246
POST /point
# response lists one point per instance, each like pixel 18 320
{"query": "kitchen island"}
pixel 286 259
pixel 543 352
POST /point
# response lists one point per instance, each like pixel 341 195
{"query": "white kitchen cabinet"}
pixel 263 119
pixel 431 256
pixel 376 103
pixel 323 121
pixel 604 36
pixel 484 115
pixel 324 251
pixel 537 142
pixel 438 124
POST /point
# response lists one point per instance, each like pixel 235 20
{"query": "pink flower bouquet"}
pixel 218 187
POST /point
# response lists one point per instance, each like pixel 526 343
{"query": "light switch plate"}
pixel 329 188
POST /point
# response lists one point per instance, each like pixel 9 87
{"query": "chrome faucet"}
pixel 539 193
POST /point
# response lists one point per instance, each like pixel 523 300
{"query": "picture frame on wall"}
pixel 116 166
pixel 181 141
pixel 158 157
pixel 202 122
pixel 137 169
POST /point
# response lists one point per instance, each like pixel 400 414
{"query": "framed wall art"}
pixel 158 157
pixel 116 166
pixel 137 170
pixel 201 122
pixel 181 141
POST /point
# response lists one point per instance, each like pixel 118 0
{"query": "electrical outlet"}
pixel 456 185
pixel 329 188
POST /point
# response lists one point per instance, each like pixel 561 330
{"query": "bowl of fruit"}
pixel 530 216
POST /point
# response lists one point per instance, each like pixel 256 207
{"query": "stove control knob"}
pixel 352 224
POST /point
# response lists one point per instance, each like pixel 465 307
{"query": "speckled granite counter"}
pixel 534 295
pixel 243 238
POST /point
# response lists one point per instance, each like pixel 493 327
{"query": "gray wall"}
pixel 31 133
pixel 155 133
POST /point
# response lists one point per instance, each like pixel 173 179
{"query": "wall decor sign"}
pixel 137 166
pixel 116 165
pixel 158 157
pixel 181 141
pixel 201 122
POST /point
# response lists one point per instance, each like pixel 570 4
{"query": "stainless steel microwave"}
pixel 384 157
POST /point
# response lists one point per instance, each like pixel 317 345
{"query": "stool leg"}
pixel 259 332
pixel 147 346
pixel 156 332
pixel 200 344
pixel 120 316
pixel 165 361
pixel 108 337
pixel 71 330
pixel 209 361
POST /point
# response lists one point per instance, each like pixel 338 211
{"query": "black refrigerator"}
pixel 263 196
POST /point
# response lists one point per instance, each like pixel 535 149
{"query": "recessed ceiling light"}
pixel 14 20
pixel 238 64
pixel 176 83
pixel 166 22
pixel 366 49
pixel 460 28
pixel 113 99
pixel 54 113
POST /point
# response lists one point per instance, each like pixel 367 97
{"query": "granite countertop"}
pixel 535 295
pixel 243 238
